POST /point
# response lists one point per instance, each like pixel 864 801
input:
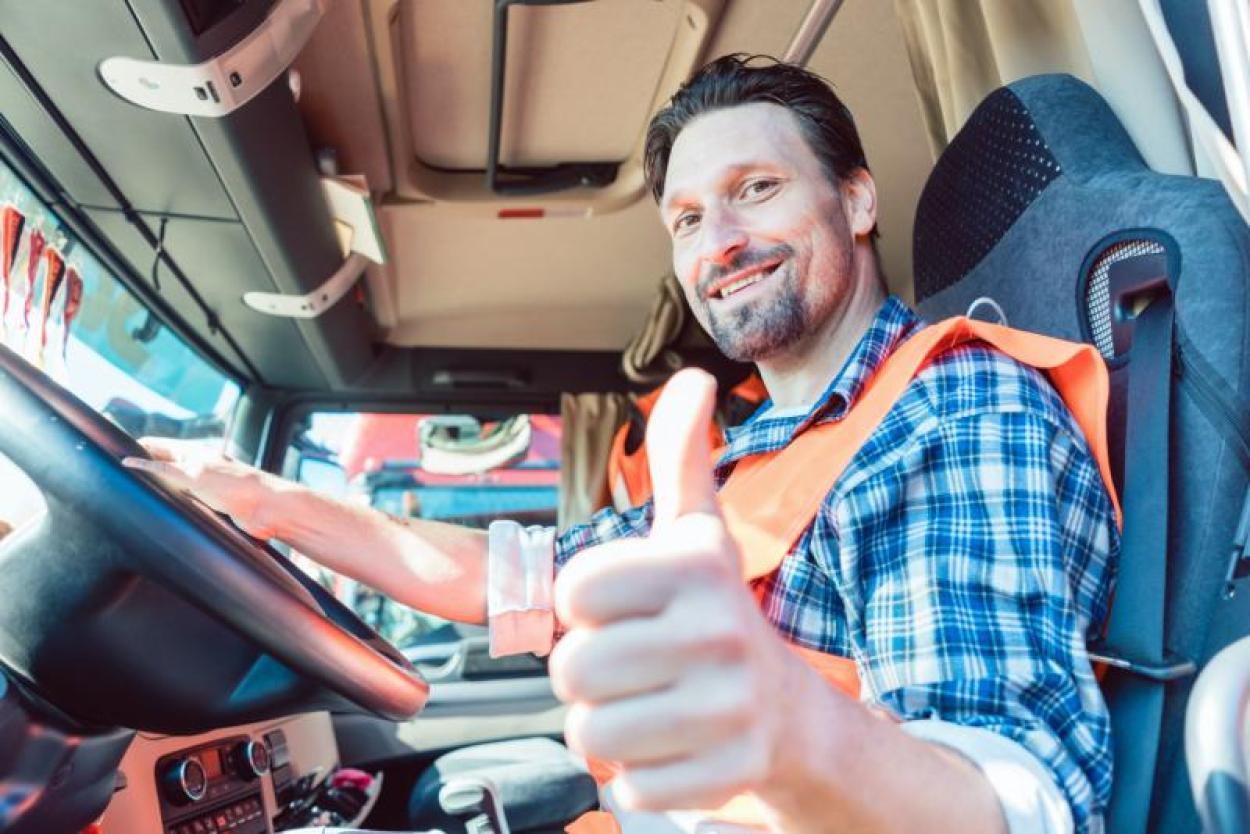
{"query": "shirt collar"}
pixel 892 324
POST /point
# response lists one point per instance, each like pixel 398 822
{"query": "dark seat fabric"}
pixel 541 785
pixel 1036 203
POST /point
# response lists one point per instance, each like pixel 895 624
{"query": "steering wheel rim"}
pixel 71 452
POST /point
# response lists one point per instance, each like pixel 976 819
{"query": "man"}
pixel 962 557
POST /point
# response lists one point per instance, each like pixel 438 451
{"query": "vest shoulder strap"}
pixel 769 500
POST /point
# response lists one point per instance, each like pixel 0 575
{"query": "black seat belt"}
pixel 1135 686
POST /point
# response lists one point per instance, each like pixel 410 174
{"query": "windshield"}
pixel 454 468
pixel 64 312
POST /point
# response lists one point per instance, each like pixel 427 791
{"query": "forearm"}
pixel 431 566
pixel 852 771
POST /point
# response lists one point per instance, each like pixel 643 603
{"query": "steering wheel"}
pixel 120 582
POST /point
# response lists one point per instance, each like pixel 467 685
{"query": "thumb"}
pixel 679 450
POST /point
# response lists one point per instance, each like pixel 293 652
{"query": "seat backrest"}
pixel 1043 204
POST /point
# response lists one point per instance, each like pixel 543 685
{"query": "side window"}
pixel 452 468
pixel 62 310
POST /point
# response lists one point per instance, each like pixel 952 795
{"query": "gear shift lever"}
pixel 475 800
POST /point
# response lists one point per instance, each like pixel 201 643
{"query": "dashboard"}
pixel 252 779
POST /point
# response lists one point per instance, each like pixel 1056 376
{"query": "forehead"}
pixel 721 141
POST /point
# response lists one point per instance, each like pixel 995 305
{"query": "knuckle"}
pixel 713 631
pixel 574 728
pixel 638 791
pixel 567 666
pixel 755 763
pixel 593 732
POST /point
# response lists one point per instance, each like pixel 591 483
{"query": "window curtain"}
pixel 650 357
pixel 961 50
pixel 588 423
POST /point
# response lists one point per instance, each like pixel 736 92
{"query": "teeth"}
pixel 744 282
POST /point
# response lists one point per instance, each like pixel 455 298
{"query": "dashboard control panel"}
pixel 214 788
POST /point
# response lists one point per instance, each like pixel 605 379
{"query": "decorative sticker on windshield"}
pixel 67 313
pixel 13 221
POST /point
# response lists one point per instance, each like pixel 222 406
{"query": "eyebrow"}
pixel 681 198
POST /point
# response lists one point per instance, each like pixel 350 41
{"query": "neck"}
pixel 802 373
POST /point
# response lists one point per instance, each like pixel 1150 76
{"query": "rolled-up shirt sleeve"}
pixel 521 566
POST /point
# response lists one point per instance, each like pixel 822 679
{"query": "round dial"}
pixel 251 759
pixel 186 781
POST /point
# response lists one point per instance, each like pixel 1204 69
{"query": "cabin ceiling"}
pixel 580 87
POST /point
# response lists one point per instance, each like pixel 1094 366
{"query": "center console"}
pixel 214 788
pixel 258 778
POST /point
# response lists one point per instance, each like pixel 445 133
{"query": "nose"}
pixel 722 237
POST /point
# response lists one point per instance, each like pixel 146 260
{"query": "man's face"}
pixel 761 243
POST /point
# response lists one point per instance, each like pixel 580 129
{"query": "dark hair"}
pixel 826 122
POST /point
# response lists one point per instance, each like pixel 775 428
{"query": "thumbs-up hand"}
pixel 669 667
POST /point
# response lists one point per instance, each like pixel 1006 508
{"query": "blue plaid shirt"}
pixel 963 559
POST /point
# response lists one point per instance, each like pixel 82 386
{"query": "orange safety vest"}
pixel 629 471
pixel 770 499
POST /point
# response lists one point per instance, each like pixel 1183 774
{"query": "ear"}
pixel 859 202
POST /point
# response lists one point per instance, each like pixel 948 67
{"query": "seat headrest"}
pixel 1017 142
pixel 1041 194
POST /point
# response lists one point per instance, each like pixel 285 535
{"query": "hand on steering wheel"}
pixel 229 487
pixel 127 606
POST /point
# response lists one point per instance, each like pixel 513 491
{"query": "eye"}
pixel 758 188
pixel 685 221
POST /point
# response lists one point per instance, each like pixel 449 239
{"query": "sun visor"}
pixel 490 102
pixel 579 80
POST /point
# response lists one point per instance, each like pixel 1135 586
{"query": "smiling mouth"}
pixel 726 290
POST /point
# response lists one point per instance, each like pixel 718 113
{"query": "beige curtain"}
pixel 649 358
pixel 961 50
pixel 588 422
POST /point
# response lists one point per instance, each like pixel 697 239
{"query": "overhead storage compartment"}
pixel 573 86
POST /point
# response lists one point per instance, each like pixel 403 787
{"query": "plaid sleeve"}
pixel 604 526
pixel 977 561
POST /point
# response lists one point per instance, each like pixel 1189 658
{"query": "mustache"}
pixel 745 259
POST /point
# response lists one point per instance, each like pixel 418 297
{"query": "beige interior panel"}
pixel 135 808
pixel 579 79
pixel 864 56
pixel 587 283
pixel 339 95
pixel 566 282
